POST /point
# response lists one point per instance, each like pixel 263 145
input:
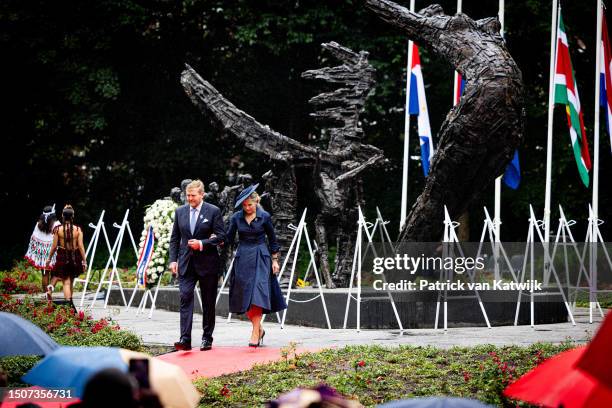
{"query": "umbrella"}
pixel 435 402
pixel 558 382
pixel 597 360
pixel 20 337
pixel 71 367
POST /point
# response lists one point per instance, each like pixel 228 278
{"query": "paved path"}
pixel 163 328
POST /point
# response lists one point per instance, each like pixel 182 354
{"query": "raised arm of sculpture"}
pixel 236 122
pixel 258 137
pixel 479 135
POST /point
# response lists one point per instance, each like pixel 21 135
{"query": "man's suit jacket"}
pixel 209 221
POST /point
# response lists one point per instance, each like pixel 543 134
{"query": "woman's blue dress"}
pixel 252 281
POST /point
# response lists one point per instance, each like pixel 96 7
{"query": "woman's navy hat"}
pixel 244 194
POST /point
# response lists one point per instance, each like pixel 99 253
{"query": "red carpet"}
pixel 223 360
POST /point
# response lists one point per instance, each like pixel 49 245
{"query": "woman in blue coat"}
pixel 254 289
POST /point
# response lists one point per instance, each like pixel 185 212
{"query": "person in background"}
pixel 40 244
pixel 70 260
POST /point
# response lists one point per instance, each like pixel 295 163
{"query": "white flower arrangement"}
pixel 160 215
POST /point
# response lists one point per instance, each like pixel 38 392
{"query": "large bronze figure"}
pixel 480 134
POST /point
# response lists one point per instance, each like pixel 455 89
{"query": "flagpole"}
pixel 406 135
pixel 551 101
pixel 598 57
pixel 595 200
pixel 498 181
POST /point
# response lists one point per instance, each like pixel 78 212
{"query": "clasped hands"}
pixel 194 244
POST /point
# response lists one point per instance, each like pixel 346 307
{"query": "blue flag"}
pixel 512 176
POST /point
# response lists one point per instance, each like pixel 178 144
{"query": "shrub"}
pixel 21 279
pixel 15 367
pixel 66 327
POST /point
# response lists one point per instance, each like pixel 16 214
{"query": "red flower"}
pixel 99 325
pixel 361 363
pixel 466 376
pixel 74 330
pixel 225 391
pixel 9 284
pixel 81 315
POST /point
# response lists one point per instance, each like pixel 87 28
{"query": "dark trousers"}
pixel 208 290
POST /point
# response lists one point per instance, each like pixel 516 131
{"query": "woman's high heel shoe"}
pixel 263 333
pixel 256 344
pixel 49 292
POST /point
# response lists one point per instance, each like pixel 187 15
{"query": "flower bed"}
pixel 373 374
pixel 66 327
pixel 22 279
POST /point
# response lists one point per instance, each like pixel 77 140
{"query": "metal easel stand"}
pixel 448 250
pixel 594 239
pixel 490 228
pixel 91 248
pixel 358 257
pixel 565 238
pixel 534 227
pixel 112 259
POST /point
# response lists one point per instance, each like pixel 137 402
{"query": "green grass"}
pixel 374 375
pixel 604 299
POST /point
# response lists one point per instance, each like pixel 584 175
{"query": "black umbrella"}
pixel 20 337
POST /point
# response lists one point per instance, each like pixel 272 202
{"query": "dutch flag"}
pixel 145 257
pixel 605 96
pixel 418 106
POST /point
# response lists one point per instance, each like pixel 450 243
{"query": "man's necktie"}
pixel 192 221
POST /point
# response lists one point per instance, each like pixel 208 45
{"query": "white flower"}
pixel 159 215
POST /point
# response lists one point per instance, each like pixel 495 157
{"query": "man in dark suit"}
pixel 198 229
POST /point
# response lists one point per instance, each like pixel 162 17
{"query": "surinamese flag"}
pixel 566 92
pixel 418 106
